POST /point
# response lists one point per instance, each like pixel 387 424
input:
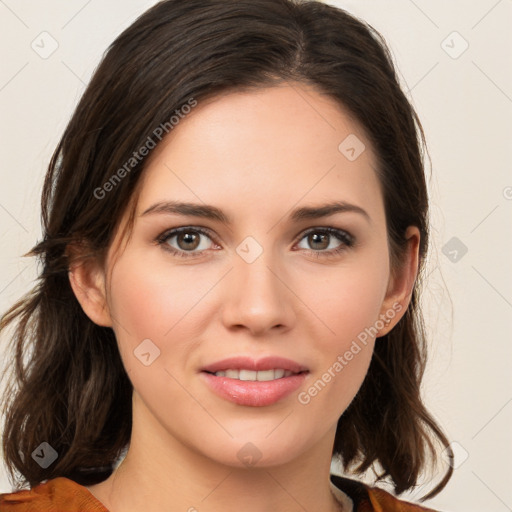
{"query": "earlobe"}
pixel 401 284
pixel 88 283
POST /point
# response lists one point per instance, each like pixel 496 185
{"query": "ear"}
pixel 401 283
pixel 87 280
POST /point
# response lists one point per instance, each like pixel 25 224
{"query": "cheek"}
pixel 348 303
pixel 150 301
pixel 347 299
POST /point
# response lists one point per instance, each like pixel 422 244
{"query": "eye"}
pixel 188 241
pixel 327 241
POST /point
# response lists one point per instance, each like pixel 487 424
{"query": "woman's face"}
pixel 258 272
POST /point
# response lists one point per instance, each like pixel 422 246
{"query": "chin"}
pixel 257 452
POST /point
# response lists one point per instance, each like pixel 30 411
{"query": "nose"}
pixel 257 297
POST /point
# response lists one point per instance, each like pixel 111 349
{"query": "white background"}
pixel 465 104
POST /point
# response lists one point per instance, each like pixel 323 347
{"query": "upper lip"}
pixel 248 363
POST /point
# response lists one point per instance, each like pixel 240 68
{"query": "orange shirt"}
pixel 64 495
pixel 56 495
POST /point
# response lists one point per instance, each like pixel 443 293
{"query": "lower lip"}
pixel 253 393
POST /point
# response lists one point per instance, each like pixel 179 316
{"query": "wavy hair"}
pixel 68 385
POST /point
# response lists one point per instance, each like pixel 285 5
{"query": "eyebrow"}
pixel 214 213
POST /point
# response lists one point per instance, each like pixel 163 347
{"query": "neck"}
pixel 160 474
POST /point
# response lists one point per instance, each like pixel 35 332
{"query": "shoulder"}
pixel 56 494
pixel 374 499
pixel 383 500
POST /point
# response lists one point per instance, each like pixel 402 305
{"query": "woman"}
pixel 235 223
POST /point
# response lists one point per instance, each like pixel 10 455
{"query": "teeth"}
pixel 264 375
pixel 278 373
pixel 251 375
pixel 247 375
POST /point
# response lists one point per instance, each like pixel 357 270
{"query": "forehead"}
pixel 266 121
pixel 275 147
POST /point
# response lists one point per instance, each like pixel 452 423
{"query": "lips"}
pixel 255 383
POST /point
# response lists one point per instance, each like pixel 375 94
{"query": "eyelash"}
pixel 346 238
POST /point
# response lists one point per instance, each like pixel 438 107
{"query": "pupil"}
pixel 188 239
pixel 316 238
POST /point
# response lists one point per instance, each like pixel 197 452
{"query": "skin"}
pixel 255 155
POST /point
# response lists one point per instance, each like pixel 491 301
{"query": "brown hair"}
pixel 69 386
